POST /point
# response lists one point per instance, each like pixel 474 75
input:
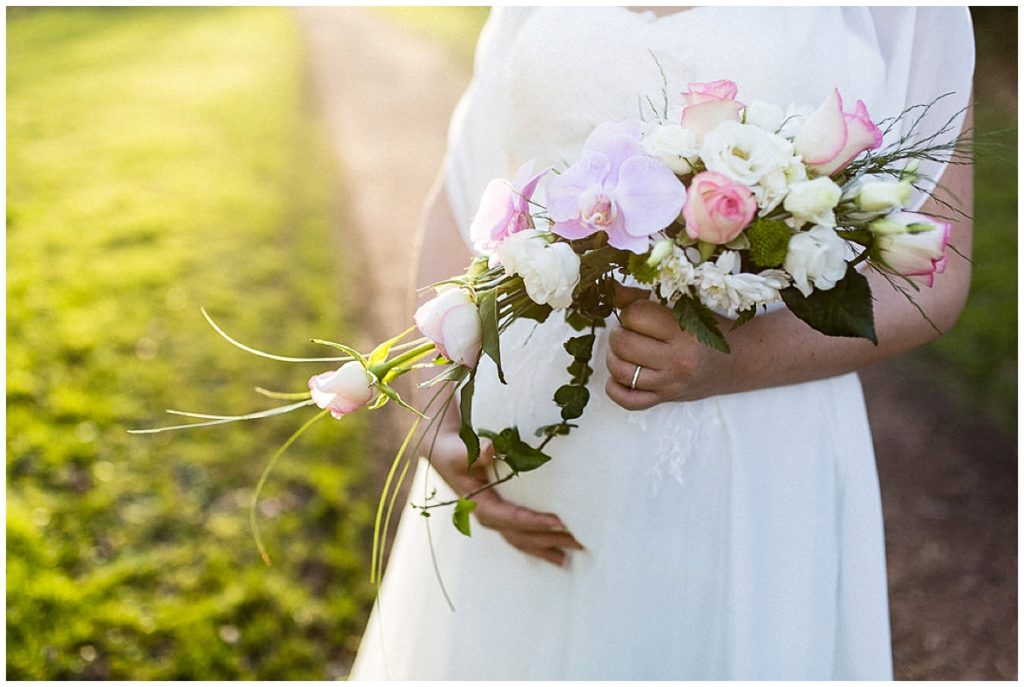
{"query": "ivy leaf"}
pixel 488 304
pixel 466 433
pixel 559 430
pixel 536 311
pixel 843 310
pixel 699 320
pixel 572 399
pixel 460 516
pixel 580 347
pixel 517 454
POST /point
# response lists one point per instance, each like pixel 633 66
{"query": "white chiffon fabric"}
pixel 737 537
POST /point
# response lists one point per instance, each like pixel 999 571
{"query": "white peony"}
pixel 816 257
pixel 814 201
pixel 675 146
pixel 723 288
pixel 550 271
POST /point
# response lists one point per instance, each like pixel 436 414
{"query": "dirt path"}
pixel 948 481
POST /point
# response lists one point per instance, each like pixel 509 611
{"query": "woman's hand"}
pixel 674 366
pixel 538 534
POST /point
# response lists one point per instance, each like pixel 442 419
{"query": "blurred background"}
pixel 264 163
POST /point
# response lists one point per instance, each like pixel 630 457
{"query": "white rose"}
pixel 550 271
pixel 816 257
pixel 673 145
pixel 344 390
pixel 451 320
pixel 764 115
pixel 814 201
pixel 882 196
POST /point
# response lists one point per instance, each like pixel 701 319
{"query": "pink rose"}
pixel 717 208
pixel 451 320
pixel 706 105
pixel 344 390
pixel 830 138
pixel 920 252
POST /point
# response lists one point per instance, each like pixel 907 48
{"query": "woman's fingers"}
pixel 498 514
pixel 622 371
pixel 630 399
pixel 624 295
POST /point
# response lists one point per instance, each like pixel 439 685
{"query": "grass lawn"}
pixel 159 160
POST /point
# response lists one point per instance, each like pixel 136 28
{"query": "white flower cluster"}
pixel 720 284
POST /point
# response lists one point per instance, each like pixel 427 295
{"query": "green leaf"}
pixel 698 319
pixel 843 310
pixel 536 311
pixel 572 399
pixel 380 353
pixel 580 347
pixel 488 304
pixel 580 372
pixel 769 242
pixel 460 516
pixel 466 433
pixel 744 317
pixel 517 454
pixel 559 430
pixel 641 270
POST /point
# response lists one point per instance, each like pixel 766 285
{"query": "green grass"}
pixel 159 160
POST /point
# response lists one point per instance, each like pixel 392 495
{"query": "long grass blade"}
pixel 263 480
pixel 282 395
pixel 379 519
pixel 263 354
pixel 222 419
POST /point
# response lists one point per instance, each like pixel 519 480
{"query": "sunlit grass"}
pixel 159 160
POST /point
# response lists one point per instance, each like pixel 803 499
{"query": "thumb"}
pixel 624 295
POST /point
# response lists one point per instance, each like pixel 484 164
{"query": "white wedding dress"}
pixel 734 537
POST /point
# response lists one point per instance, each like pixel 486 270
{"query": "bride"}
pixel 721 520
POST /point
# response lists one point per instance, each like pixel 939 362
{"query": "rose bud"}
pixel 717 209
pixel 344 390
pixel 709 104
pixel 920 251
pixel 451 320
pixel 831 138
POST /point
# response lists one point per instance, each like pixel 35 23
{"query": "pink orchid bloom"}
pixel 617 188
pixel 706 105
pixel 504 209
pixel 830 138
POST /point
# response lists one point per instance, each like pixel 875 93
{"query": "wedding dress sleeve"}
pixel 928 53
pixel 475 152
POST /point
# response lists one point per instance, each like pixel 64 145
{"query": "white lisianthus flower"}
pixel 550 271
pixel 767 116
pixel 816 259
pixel 751 156
pixel 723 288
pixel 882 196
pixel 675 146
pixel 814 201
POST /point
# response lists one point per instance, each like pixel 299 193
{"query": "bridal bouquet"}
pixel 736 207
